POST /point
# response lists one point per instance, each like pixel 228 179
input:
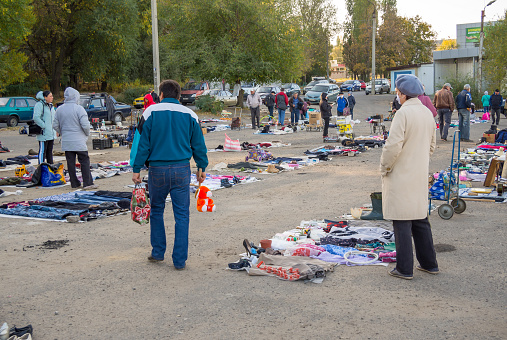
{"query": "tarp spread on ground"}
pixel 88 205
pixel 310 250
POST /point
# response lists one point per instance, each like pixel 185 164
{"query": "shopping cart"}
pixel 446 187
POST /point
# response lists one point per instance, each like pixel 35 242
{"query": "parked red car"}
pixel 363 84
pixel 191 90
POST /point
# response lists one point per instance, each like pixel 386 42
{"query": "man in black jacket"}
pixel 269 101
pixel 496 101
pixel 464 104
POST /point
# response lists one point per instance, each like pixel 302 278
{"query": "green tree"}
pixel 93 38
pixel 495 54
pixel 357 37
pixel 16 19
pixel 318 23
pixel 421 40
pixel 215 39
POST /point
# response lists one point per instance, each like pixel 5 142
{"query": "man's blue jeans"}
pixel 174 180
pixel 464 123
pixel 271 109
pixel 281 116
pixel 294 116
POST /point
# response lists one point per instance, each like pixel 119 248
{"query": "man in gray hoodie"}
pixel 71 122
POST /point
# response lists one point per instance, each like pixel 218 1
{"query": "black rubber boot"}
pixel 376 203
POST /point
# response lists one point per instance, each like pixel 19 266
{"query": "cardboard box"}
pixel 490 138
pixel 204 131
pixel 315 118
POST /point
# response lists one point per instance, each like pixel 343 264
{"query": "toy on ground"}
pixel 204 202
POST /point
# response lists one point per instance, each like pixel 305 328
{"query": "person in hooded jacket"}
pixel 325 111
pixel 148 101
pixel 43 116
pixel 71 122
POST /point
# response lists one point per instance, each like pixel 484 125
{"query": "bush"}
pixel 208 103
pixel 457 84
pixel 25 89
pixel 130 91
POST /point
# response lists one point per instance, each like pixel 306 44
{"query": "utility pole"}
pixel 154 34
pixel 327 58
pixel 373 34
pixel 481 42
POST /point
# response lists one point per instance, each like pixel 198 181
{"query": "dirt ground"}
pixel 100 285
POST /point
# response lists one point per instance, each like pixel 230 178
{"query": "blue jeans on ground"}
pixel 271 109
pixel 294 116
pixel 281 116
pixel 464 123
pixel 171 179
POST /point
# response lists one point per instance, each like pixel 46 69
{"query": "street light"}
pixel 481 41
pixel 373 34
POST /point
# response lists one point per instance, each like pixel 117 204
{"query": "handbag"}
pixel 346 111
pixel 140 206
pixel 231 145
pixel 34 129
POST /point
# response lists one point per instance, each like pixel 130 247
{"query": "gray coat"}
pixel 71 122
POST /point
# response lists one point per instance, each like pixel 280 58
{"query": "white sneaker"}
pixel 90 187
pixel 27 336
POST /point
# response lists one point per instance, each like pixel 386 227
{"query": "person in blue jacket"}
pixel 170 137
pixel 342 103
pixel 43 116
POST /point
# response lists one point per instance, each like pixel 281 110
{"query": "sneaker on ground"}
pixel 90 187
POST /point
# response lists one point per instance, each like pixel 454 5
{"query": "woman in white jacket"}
pixel 404 167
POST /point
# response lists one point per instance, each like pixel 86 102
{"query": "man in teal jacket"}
pixel 170 137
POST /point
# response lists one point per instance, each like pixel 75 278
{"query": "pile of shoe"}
pixel 24 333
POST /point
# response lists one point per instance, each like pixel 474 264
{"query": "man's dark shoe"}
pixel 468 141
pixel 152 259
pixel 433 271
pixel 180 268
pixel 396 273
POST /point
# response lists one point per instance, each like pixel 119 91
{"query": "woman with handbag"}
pixel 43 116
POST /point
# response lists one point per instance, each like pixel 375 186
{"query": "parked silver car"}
pixel 381 86
pixel 313 96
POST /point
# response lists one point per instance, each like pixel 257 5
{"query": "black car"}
pixel 291 88
pixel 95 106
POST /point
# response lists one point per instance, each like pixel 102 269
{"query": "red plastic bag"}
pixel 140 206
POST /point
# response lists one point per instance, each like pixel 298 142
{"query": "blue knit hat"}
pixel 409 85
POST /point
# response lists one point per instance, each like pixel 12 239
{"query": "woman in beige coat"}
pixel 404 167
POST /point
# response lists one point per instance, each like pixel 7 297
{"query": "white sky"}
pixel 442 15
